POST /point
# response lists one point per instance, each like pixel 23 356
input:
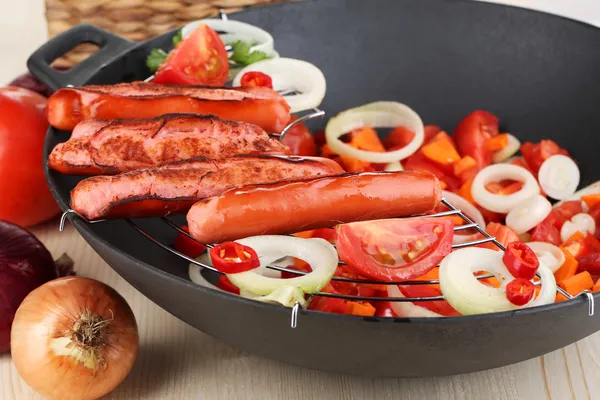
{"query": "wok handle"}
pixel 111 46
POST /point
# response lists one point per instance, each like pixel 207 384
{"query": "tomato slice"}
pixel 502 233
pixel 520 260
pixel 394 249
pixel 187 245
pixel 300 141
pixel 520 291
pixel 256 78
pixel 439 306
pixel 590 263
pixel 536 153
pixel 419 162
pixel 233 258
pixel 384 309
pixel 199 59
pixel 471 136
pixel 549 229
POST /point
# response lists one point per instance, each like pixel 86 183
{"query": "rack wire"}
pixel 468 224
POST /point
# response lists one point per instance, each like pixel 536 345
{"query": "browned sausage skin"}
pixel 288 207
pixel 174 188
pixel 257 105
pixel 108 147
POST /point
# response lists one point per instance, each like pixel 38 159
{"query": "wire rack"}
pixel 468 224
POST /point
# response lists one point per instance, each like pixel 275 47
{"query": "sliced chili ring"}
pixel 256 78
pixel 520 260
pixel 233 258
pixel 520 291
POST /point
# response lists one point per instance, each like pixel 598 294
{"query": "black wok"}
pixel 537 72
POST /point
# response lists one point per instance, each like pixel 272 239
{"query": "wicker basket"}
pixel 136 20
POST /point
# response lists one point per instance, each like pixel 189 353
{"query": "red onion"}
pixel 28 81
pixel 25 264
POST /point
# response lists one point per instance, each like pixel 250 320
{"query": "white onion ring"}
pixel 468 296
pixel 526 215
pixel 236 30
pixel 497 172
pixel 581 222
pixel 508 151
pixel 549 254
pixel 594 188
pixel 383 114
pixel 559 177
pixel 289 74
pixel 408 309
pixel 318 253
pixel 393 166
pixel 469 210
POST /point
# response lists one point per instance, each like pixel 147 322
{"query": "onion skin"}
pixel 25 264
pixel 51 316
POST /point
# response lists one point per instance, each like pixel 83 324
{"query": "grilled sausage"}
pixel 126 145
pixel 174 188
pixel 257 105
pixel 287 207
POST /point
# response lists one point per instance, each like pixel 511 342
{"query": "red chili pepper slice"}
pixel 188 246
pixel 520 291
pixel 255 78
pixel 520 260
pixel 233 258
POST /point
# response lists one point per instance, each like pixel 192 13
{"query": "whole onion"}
pixel 28 81
pixel 25 264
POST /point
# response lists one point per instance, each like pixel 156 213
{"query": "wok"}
pixel 537 72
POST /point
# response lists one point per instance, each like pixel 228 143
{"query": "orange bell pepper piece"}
pixel 463 165
pixel 577 283
pixel 568 268
pixel 575 244
pixel 441 149
pixel 304 234
pixel 591 199
pixel 362 309
pixel 497 142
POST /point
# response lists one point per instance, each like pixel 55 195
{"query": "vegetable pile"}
pixel 510 195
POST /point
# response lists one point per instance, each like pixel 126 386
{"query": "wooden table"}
pixel 178 362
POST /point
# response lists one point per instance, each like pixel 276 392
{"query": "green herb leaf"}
pixel 155 58
pixel 178 37
pixel 256 56
pixel 241 53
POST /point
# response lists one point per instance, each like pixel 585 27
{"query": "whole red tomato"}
pixel 24 195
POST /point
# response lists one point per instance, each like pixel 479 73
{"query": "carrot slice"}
pixel 353 165
pixel 568 268
pixel 596 287
pixel 327 152
pixel 497 142
pixel 463 165
pixel 367 139
pixel 465 191
pixel 441 149
pixel 591 199
pixel 365 310
pixel 577 283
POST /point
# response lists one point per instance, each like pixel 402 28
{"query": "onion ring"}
pixel 383 114
pixel 497 172
pixel 549 254
pixel 526 215
pixel 469 210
